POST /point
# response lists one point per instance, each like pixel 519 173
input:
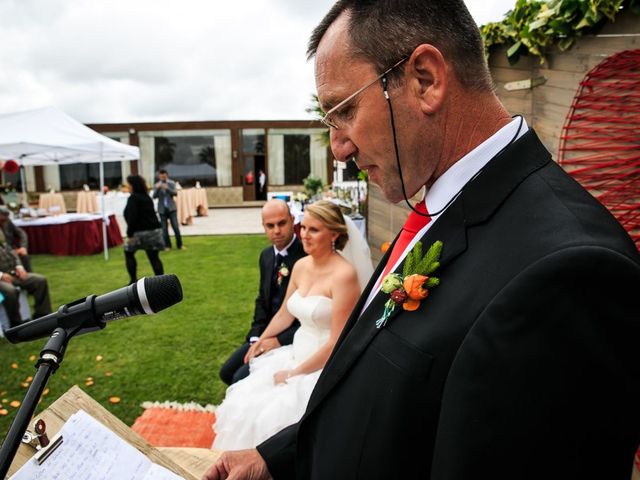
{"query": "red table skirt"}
pixel 73 238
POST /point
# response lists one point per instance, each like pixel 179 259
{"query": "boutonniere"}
pixel 283 271
pixel 410 288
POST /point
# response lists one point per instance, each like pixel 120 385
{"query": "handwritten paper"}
pixel 90 451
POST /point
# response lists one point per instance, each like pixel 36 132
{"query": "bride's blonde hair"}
pixel 329 214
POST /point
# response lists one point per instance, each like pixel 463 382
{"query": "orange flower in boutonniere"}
pixel 410 288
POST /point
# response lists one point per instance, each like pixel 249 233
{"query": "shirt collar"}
pixel 284 251
pixel 452 181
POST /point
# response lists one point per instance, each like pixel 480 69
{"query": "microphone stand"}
pixel 80 318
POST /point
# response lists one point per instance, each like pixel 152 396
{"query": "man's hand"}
pixel 21 251
pixel 21 273
pixel 6 278
pixel 239 465
pixel 254 350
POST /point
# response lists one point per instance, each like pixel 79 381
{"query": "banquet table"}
pixel 86 202
pixel 114 203
pixel 52 203
pixel 69 234
pixel 190 201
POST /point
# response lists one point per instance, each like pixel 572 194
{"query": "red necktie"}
pixel 413 225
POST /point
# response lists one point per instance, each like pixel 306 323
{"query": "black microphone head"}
pixel 162 291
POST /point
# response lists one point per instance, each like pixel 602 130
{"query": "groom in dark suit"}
pixel 523 362
pixel 276 262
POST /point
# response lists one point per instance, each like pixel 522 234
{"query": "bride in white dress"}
pixel 322 292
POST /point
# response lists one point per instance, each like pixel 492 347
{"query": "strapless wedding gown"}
pixel 255 408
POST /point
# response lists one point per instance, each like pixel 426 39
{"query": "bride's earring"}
pixel 333 245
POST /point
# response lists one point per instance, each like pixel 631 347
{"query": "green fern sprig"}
pixel 413 260
pixel 432 282
pixel 429 263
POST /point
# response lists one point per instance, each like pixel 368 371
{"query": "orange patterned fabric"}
pixel 171 427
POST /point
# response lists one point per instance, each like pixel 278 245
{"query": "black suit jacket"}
pixel 262 313
pixel 523 363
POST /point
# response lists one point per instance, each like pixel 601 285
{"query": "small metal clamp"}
pixel 39 440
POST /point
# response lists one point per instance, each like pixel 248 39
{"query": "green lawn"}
pixel 174 355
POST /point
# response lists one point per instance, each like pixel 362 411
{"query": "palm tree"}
pixel 316 110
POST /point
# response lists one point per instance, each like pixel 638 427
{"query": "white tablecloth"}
pixel 52 202
pixel 114 202
pixel 57 219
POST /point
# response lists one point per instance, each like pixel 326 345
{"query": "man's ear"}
pixel 427 77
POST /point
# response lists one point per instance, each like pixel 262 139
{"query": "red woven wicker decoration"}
pixel 600 141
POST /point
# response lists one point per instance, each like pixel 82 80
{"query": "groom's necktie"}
pixel 413 225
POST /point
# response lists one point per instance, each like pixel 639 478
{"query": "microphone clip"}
pixel 79 316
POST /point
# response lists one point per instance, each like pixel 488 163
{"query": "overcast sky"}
pixel 165 60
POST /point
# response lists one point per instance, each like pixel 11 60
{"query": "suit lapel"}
pixel 270 258
pixel 476 204
pixel 365 294
pixel 450 230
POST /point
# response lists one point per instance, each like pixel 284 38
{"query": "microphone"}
pixel 147 296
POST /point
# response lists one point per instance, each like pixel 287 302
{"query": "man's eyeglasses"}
pixel 329 118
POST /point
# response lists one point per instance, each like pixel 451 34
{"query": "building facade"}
pixel 238 162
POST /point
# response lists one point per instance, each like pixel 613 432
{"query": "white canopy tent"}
pixel 48 136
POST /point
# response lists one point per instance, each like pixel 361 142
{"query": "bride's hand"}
pixel 282 376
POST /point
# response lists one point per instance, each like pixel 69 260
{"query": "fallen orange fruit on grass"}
pixel 114 399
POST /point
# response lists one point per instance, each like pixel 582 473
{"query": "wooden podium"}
pixel 190 463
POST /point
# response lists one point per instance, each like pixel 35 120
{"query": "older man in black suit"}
pixel 12 275
pixel 523 361
pixel 16 237
pixel 276 262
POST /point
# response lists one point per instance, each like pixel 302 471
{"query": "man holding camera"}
pixel 164 190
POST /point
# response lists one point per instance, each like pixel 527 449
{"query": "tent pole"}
pixel 23 184
pixel 104 213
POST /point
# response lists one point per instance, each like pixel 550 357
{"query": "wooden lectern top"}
pixel 190 463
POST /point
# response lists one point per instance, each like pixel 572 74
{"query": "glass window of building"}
pixel 296 158
pixel 350 172
pixel 254 178
pixel 11 182
pixel 75 175
pixel 294 154
pixel 195 158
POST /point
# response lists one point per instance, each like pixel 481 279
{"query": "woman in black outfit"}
pixel 143 228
